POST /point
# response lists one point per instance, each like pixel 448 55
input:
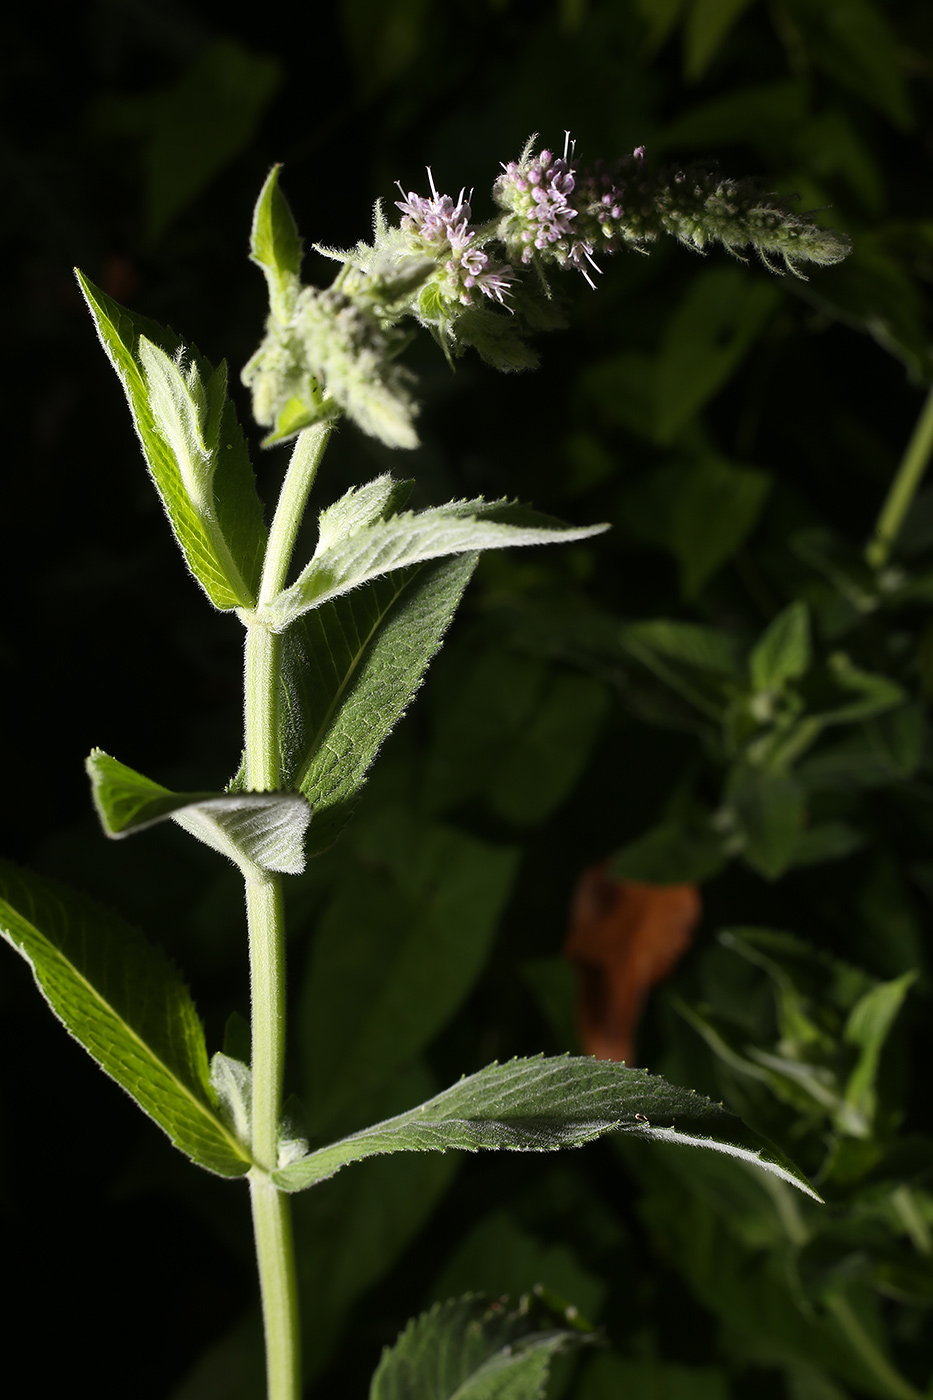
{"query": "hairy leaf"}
pixel 264 829
pixel 275 246
pixel 357 555
pixel 539 1105
pixel 124 1001
pixel 350 670
pixel 193 446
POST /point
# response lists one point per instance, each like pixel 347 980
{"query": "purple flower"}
pixel 538 195
pixel 439 226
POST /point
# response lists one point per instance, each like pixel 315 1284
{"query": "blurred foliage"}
pixel 720 690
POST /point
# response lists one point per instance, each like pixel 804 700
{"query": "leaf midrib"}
pixel 202 1108
pixel 350 672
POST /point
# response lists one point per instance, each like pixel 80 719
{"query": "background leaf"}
pixel 401 945
pixel 350 669
pixel 193 129
pixel 467 1348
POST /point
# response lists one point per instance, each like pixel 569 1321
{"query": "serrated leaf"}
pixel 124 1001
pixel 275 246
pixel 540 1105
pixel 359 507
pixel 194 449
pixel 350 670
pixel 469 1349
pixel 264 829
pixel 460 527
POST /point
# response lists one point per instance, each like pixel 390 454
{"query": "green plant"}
pixel 332 660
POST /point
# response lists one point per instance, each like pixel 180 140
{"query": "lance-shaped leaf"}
pixel 471 1349
pixel 264 829
pixel 349 671
pixel 539 1105
pixel 193 446
pixel 349 559
pixel 275 246
pixel 124 1001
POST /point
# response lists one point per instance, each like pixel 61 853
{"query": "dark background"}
pixel 136 138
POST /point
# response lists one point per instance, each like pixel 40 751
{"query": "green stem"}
pixel 272 1227
pixel 302 469
pixel 903 488
pixel 275 1255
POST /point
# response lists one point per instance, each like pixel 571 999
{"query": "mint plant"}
pixel 335 651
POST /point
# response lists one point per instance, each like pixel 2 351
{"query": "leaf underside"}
pixel 252 828
pixel 539 1105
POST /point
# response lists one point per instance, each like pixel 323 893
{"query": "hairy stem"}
pixel 272 1226
pixel 903 488
pixel 275 1255
pixel 302 469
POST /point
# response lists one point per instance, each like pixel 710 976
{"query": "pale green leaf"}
pixel 194 449
pixel 460 527
pixel 357 508
pixel 181 408
pixel 540 1105
pixel 275 246
pixel 264 829
pixel 467 1349
pixel 124 1001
